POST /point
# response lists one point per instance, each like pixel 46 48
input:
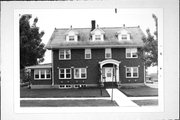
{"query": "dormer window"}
pixel 123 34
pixel 97 34
pixel 71 35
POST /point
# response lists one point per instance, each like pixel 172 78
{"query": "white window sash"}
pixel 80 73
pixel 39 73
pixel 108 51
pixel 65 73
pixel 87 52
pixel 64 54
pixel 131 51
pixel 132 72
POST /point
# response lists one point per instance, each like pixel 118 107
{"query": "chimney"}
pixel 93 25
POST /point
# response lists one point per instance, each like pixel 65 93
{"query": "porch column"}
pixel 117 75
pixel 101 81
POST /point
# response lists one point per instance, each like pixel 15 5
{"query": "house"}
pixel 91 57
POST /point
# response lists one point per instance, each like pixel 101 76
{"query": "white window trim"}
pixel 108 50
pixel 87 51
pixel 65 73
pixel 80 73
pixel 64 50
pixel 131 68
pixel 39 72
pixel 131 52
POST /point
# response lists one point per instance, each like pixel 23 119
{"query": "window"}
pixel 80 73
pixel 131 53
pixel 132 72
pixel 108 53
pixel 42 74
pixel 64 73
pixel 97 37
pixel 124 37
pixel 87 53
pixel 71 38
pixel 64 54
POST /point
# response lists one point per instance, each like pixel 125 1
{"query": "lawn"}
pixel 146 102
pixel 141 91
pixel 61 93
pixel 67 103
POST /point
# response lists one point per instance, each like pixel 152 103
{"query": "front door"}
pixel 108 74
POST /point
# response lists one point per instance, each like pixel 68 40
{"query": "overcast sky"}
pixel 81 18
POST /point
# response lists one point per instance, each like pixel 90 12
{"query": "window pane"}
pixel 68 75
pixel 61 54
pixel 128 74
pixel 42 73
pixel 128 55
pixel 68 71
pixel 108 55
pixel 135 74
pixel 67 53
pixel 83 70
pixel 135 69
pixel 48 76
pixel 83 75
pixel 128 69
pixel 88 55
pixel 61 70
pixel 77 73
pixel 61 75
pixel 37 76
pixel 134 54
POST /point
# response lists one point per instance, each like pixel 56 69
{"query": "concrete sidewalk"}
pixel 121 99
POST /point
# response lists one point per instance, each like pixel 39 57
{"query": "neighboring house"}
pixel 89 57
pixel 152 77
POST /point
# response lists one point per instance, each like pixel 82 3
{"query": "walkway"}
pixel 121 99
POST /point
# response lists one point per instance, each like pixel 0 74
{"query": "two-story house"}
pixel 90 57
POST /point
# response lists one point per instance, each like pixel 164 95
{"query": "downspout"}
pixel 52 66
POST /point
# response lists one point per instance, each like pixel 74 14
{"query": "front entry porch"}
pixel 109 73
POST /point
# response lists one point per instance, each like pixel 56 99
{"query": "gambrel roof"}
pixel 58 38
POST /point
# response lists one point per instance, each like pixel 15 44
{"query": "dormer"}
pixel 123 34
pixel 97 34
pixel 71 35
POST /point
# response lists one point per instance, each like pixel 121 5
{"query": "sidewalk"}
pixel 121 99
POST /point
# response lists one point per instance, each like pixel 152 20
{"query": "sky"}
pixel 49 19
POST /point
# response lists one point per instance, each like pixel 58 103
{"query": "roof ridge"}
pixel 99 27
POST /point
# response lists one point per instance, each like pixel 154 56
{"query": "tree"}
pixel 150 49
pixel 31 47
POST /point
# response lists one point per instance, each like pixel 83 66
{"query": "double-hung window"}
pixel 65 73
pixel 80 73
pixel 132 72
pixel 64 54
pixel 131 53
pixel 42 74
pixel 108 53
pixel 87 53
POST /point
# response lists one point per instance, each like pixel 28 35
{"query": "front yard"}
pixel 141 91
pixel 62 93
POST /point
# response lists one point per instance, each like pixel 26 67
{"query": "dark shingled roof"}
pixel 58 38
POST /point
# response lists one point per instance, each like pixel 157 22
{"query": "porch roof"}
pixel 47 65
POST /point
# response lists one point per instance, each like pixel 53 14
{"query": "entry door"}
pixel 109 74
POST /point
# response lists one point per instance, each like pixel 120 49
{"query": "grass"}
pixel 141 91
pixel 146 102
pixel 67 103
pixel 61 93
